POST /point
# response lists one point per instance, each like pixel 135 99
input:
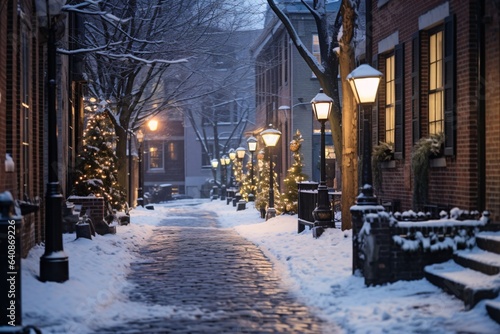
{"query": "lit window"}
pixel 436 84
pixel 172 151
pixel 155 155
pixel 390 99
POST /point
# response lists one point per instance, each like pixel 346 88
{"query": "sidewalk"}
pixel 316 271
pixel 221 279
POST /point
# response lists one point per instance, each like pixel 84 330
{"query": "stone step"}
pixel 493 308
pixel 489 241
pixel 466 284
pixel 486 262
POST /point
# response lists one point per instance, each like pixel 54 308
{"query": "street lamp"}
pixel 252 146
pixel 271 137
pixel 322 106
pixel 153 125
pixel 232 156
pixel 140 194
pixel 215 190
pixel 54 262
pixel 223 178
pixel 364 81
pixel 240 153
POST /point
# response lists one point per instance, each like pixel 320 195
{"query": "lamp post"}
pixel 228 162
pixel 232 156
pixel 54 262
pixel 252 146
pixel 215 190
pixel 140 193
pixel 223 178
pixel 240 153
pixel 364 81
pixel 322 106
pixel 271 137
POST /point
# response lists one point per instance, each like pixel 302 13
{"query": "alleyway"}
pixel 223 279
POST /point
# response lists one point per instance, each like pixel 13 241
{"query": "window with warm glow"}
pixel 172 151
pixel 436 84
pixel 390 99
pixel 156 155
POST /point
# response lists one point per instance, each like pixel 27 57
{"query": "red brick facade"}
pixel 23 134
pixel 468 175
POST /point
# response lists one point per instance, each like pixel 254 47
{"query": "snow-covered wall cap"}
pixel 10 166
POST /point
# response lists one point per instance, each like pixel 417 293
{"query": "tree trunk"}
pixel 121 154
pixel 349 118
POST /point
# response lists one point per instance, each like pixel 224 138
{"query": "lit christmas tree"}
pixel 246 184
pixel 262 195
pixel 96 171
pixel 291 195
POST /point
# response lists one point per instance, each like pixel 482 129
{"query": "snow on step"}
pixel 464 276
pixel 482 256
pixel 495 236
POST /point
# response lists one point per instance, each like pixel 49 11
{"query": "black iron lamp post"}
pixel 240 153
pixel 227 160
pixel 252 146
pixel 232 156
pixel 322 106
pixel 271 137
pixel 54 264
pixel 364 81
pixel 140 192
pixel 215 189
pixel 223 178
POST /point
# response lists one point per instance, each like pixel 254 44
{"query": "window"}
pixel 436 84
pixel 155 155
pixel 172 151
pixel 315 50
pixel 390 99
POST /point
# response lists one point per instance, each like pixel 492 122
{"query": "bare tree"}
pixel 336 48
pixel 137 54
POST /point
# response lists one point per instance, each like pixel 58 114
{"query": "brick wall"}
pixel 94 204
pixel 457 184
pixel 388 250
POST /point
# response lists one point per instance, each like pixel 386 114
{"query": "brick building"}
pixel 23 114
pixel 285 86
pixel 441 66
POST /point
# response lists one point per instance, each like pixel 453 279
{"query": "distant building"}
pixel 285 86
pixel 220 118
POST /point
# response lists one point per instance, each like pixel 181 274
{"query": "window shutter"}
pixel 415 87
pixel 449 85
pixel 399 107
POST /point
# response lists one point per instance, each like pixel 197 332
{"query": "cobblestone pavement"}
pixel 225 280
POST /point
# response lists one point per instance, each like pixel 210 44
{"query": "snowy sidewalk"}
pixel 317 271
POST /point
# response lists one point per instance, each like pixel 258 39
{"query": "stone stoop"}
pixel 472 275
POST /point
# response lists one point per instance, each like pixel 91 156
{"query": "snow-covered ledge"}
pixel 391 249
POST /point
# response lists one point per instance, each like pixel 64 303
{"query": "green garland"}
pixel 381 153
pixel 422 151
